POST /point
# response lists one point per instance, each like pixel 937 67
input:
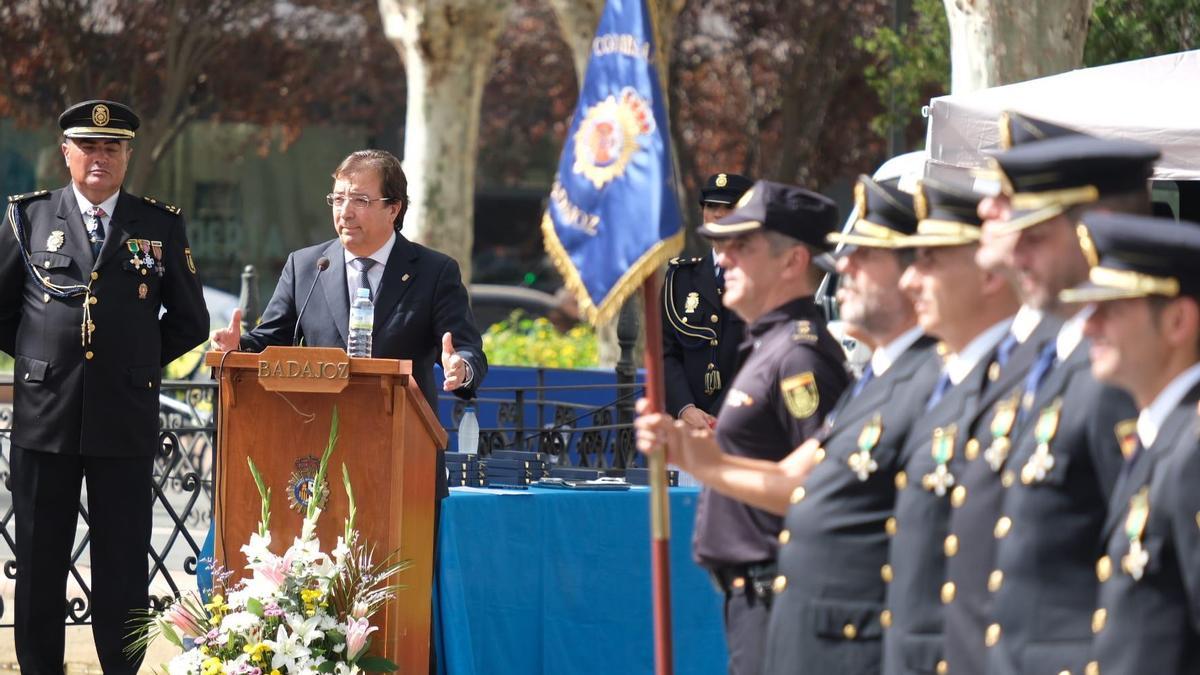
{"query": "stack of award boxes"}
pixel 464 469
pixel 512 467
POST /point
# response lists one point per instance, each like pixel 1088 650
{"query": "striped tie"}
pixel 96 230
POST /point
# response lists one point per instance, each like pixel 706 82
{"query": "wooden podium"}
pixel 276 408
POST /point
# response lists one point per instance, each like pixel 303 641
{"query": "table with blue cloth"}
pixel 558 581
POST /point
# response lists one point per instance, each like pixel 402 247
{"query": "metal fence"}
pixel 535 418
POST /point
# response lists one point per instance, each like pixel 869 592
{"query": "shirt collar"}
pixel 1071 334
pixel 959 365
pixel 1151 418
pixel 85 206
pixel 1025 322
pixel 883 357
pixel 380 256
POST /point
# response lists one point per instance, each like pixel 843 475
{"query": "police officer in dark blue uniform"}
pixel 1145 338
pixel 700 334
pixel 1060 466
pixel 970 310
pixel 792 374
pixel 85 272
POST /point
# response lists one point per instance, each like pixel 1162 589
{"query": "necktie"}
pixel 867 376
pixel 1033 379
pixel 720 279
pixel 939 390
pixel 364 265
pixel 96 230
pixel 1005 349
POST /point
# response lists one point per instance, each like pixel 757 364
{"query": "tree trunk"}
pixel 995 42
pixel 447 47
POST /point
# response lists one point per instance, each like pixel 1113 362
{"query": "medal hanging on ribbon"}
pixel 861 462
pixel 940 479
pixel 1041 462
pixel 1134 562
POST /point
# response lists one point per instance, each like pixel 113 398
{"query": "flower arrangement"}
pixel 521 340
pixel 303 612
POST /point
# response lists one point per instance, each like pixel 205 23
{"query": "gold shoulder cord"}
pixel 87 327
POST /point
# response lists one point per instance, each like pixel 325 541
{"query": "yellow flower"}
pixel 256 652
pixel 212 666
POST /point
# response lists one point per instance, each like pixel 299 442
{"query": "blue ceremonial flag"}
pixel 612 218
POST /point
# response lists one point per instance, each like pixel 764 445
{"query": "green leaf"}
pixel 376 664
pixel 168 632
pixel 255 607
pixel 326 667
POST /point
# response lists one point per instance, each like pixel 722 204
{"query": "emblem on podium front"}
pixel 303 482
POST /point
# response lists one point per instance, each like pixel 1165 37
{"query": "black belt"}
pixel 754 580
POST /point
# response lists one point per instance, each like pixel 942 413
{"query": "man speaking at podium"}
pixel 422 312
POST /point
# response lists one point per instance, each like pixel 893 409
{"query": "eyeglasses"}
pixel 357 201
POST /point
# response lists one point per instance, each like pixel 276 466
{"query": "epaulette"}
pixel 676 262
pixel 27 195
pixel 169 208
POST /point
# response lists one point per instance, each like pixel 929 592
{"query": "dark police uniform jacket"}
pixel 826 617
pixel 793 373
pixel 1151 624
pixel 99 399
pixel 420 297
pixel 1044 587
pixel 916 569
pixel 975 502
pixel 700 337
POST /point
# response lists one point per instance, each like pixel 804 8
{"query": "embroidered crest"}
pixel 610 134
pixel 691 303
pixel 187 252
pixel 722 180
pixel 801 395
pixel 55 241
pixel 804 332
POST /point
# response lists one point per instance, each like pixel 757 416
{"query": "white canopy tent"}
pixel 1154 100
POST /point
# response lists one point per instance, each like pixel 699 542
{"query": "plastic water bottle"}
pixel 362 322
pixel 468 431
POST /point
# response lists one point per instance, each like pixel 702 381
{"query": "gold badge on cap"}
pixel 55 240
pixel 801 395
pixel 722 180
pixel 100 115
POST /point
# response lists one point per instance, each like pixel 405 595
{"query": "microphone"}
pixel 322 265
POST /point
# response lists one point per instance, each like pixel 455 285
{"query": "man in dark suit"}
pixel 1145 338
pixel 84 273
pixel 700 334
pixel 422 311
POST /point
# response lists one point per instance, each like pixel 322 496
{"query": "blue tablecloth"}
pixel 553 581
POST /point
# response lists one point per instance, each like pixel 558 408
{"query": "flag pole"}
pixel 660 515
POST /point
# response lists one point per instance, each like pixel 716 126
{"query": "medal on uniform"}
pixel 691 303
pixel 861 462
pixel 1041 462
pixel 136 260
pixel 143 290
pixel 1134 562
pixel 1002 424
pixel 1126 431
pixel 55 240
pixel 156 247
pixel 940 479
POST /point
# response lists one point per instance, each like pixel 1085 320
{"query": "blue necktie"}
pixel 96 231
pixel 1033 379
pixel 939 390
pixel 1005 349
pixel 867 376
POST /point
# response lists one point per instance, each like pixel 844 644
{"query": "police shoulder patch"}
pixel 169 208
pixel 801 395
pixel 27 195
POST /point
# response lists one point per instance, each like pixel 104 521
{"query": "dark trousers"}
pixel 746 619
pixel 46 489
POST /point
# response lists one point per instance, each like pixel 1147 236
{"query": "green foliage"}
pixel 1122 30
pixel 909 64
pixel 6 364
pixel 914 62
pixel 524 341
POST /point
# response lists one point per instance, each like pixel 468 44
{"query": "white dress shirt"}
pixel 883 357
pixel 1151 418
pixel 960 365
pixel 374 275
pixel 85 208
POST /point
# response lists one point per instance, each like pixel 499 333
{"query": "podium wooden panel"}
pixel 388 437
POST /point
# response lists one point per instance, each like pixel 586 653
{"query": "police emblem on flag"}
pixel 609 136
